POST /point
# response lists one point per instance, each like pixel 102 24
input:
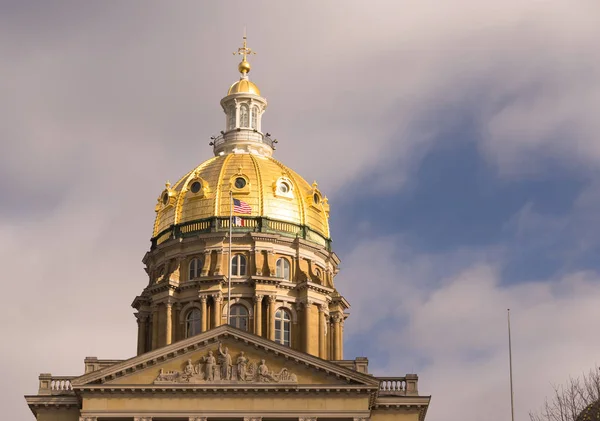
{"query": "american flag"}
pixel 241 207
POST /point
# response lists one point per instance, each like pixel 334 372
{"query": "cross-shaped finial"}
pixel 244 50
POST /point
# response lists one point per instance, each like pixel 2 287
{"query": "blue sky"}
pixel 457 143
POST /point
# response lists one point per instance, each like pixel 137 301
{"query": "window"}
pixel 239 317
pixel 282 326
pixel 231 124
pixel 254 116
pixel 195 268
pixel 192 323
pixel 195 187
pixel 283 269
pixel 244 116
pixel 238 265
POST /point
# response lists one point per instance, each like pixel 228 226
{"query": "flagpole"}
pixel 230 257
pixel 512 395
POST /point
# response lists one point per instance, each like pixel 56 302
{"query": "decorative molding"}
pixel 142 418
pixel 198 419
pixel 211 369
pixel 252 418
pixel 307 419
pixel 87 418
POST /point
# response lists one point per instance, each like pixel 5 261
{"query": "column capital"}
pixel 336 317
pixel 322 308
pixel 258 298
pixel 217 297
pixel 203 298
pixel 272 299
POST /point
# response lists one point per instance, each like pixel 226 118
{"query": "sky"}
pixel 458 144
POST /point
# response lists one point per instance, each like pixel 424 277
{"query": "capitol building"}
pixel 240 319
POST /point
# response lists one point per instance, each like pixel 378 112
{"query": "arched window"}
pixel 195 268
pixel 283 321
pixel 283 269
pixel 231 115
pixel 244 115
pixel 238 265
pixel 239 317
pixel 254 117
pixel 192 323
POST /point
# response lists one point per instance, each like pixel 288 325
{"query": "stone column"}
pixel 203 317
pixel 258 314
pixel 154 326
pixel 342 337
pixel 272 301
pixel 168 322
pixel 217 300
pixel 205 263
pixel 271 262
pixel 142 320
pixel 308 345
pixel 322 338
pixel 337 337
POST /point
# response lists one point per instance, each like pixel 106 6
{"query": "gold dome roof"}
pixel 271 189
pixel 243 86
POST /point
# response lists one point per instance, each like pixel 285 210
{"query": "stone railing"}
pixel 398 386
pixel 248 224
pixel 55 385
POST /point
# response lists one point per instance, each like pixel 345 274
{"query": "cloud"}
pixel 452 329
pixel 102 103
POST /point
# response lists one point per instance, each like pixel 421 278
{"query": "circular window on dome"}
pixel 165 198
pixel 195 187
pixel 284 187
pixel 316 199
pixel 240 183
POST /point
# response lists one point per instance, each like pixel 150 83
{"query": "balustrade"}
pixel 55 385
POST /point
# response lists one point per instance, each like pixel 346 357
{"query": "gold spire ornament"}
pixel 244 51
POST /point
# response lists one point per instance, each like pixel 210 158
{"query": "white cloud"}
pixel 454 327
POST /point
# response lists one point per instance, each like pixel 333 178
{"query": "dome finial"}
pixel 244 66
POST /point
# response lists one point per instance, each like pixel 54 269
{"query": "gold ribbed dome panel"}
pixel 243 86
pixel 262 174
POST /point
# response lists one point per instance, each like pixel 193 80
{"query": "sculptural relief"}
pixel 209 369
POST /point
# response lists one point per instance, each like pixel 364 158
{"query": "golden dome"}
pixel 287 203
pixel 243 86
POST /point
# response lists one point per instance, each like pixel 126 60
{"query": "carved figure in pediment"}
pixel 220 368
pixel 210 366
pixel 263 372
pixel 167 376
pixel 225 362
pixel 188 371
pixel 242 361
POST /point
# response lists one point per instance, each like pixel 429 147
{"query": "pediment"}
pixel 225 357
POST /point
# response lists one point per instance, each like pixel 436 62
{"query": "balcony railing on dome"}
pixel 239 135
pixel 243 224
pixel 55 385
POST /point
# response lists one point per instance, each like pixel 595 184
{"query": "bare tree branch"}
pixel 570 399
